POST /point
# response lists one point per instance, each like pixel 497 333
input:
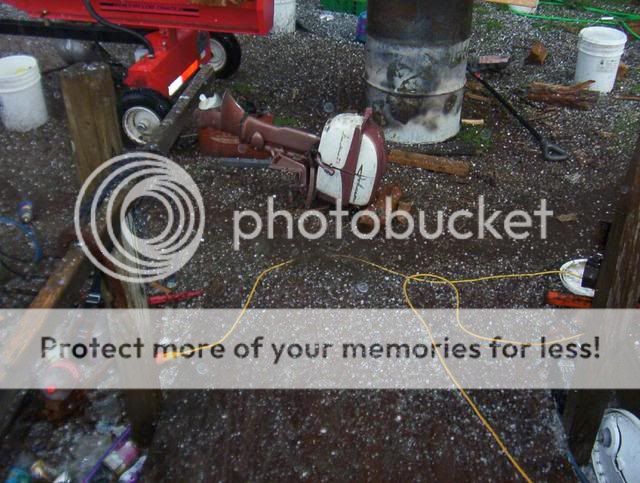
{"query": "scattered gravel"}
pixel 295 76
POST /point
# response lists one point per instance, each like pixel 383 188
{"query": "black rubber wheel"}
pixel 227 54
pixel 140 112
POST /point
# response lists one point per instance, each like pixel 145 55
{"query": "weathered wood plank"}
pixel 618 288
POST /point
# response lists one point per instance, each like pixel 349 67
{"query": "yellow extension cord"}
pixel 420 277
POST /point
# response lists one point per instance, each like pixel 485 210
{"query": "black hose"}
pixel 576 468
pixel 11 270
pixel 103 21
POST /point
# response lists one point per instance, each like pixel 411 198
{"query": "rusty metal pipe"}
pixel 416 59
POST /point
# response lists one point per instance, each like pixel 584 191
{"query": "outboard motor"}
pixel 345 164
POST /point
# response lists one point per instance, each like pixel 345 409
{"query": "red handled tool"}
pixel 155 300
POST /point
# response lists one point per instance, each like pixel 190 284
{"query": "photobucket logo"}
pixel 394 224
pixel 127 180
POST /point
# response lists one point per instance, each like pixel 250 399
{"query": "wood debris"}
pixel 431 163
pixel 405 205
pixel 476 91
pixel 473 122
pixel 567 218
pixel 577 96
pixel 379 207
pixel 538 53
pixel 623 71
pixel 477 97
pixel 627 98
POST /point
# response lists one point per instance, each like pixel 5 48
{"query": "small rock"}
pixel 567 218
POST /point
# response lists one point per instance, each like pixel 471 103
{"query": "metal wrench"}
pixel 550 151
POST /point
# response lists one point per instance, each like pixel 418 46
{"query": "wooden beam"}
pixel 90 102
pixel 165 136
pixel 59 290
pixel 143 407
pixel 618 288
pixel 432 163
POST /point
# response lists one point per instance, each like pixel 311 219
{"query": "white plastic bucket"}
pixel 284 16
pixel 521 9
pixel 22 104
pixel 599 52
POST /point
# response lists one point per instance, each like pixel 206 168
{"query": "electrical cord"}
pixel 407 280
pixel 103 21
pixel 29 234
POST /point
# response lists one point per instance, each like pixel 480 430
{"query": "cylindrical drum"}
pixel 416 59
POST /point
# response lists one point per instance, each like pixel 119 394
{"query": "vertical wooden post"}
pixel 90 102
pixel 142 406
pixel 618 288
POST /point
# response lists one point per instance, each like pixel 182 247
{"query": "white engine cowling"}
pixel 352 147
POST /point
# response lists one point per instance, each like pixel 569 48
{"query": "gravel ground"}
pixel 296 77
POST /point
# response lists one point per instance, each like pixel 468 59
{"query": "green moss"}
pixel 243 89
pixel 286 121
pixel 482 9
pixel 626 124
pixel 479 138
pixel 635 90
pixel 494 25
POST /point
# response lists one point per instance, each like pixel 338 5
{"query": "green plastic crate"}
pixel 355 7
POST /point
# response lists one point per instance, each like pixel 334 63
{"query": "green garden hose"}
pixel 617 17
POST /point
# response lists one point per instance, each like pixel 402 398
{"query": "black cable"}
pixel 103 21
pixel 55 69
pixel 13 257
pixel 11 270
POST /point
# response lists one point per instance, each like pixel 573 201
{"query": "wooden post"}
pixel 90 102
pixel 618 288
pixel 142 406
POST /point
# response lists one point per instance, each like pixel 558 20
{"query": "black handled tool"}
pixel 550 151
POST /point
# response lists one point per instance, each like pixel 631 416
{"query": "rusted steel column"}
pixel 416 66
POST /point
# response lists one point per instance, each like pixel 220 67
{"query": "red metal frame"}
pixel 181 43
pixel 178 55
pixel 249 17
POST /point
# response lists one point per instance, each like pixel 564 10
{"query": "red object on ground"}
pixel 222 144
pixel 571 301
pixel 560 299
pixel 155 300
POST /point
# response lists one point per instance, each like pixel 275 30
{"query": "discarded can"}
pixel 132 475
pixel 18 475
pixel 41 471
pixel 25 212
pixel 122 458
